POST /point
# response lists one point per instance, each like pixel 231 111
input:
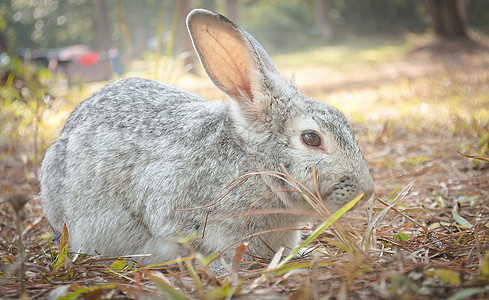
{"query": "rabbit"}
pixel 139 162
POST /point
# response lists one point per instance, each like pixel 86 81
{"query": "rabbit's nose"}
pixel 369 188
pixel 353 185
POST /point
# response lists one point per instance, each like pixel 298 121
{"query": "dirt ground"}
pixel 411 117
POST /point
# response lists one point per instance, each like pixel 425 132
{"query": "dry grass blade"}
pixel 243 240
pixel 374 224
pixel 323 208
pixel 236 263
pixel 479 157
pixel 314 201
pixel 165 286
pixel 276 259
pixel 390 206
pixel 17 202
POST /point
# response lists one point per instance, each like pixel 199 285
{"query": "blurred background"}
pixel 91 40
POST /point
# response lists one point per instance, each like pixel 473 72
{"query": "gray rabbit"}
pixel 136 156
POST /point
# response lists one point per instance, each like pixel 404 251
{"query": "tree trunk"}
pixel 208 4
pixel 137 28
pixel 103 39
pixel 448 18
pixel 184 43
pixel 232 10
pixel 324 21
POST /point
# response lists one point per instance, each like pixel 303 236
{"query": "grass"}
pixel 424 236
pixel 343 57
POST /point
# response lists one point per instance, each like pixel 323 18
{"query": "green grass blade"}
pixel 334 217
pixel 466 293
pixel 170 291
pixel 83 290
pixel 63 249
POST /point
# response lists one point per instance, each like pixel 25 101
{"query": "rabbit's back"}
pixel 133 104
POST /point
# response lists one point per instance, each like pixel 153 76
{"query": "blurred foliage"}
pixel 276 23
pixel 56 23
pixel 377 16
pixel 27 92
pixel 347 18
pixel 478 14
pixel 49 23
pixel 266 20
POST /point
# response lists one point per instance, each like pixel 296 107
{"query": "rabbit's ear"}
pixel 233 59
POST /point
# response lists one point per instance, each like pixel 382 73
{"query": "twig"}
pixel 18 202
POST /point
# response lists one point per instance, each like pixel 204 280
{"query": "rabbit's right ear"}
pixel 232 58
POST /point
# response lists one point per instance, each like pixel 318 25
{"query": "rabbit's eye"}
pixel 311 139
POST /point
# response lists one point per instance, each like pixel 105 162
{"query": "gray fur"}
pixel 135 152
